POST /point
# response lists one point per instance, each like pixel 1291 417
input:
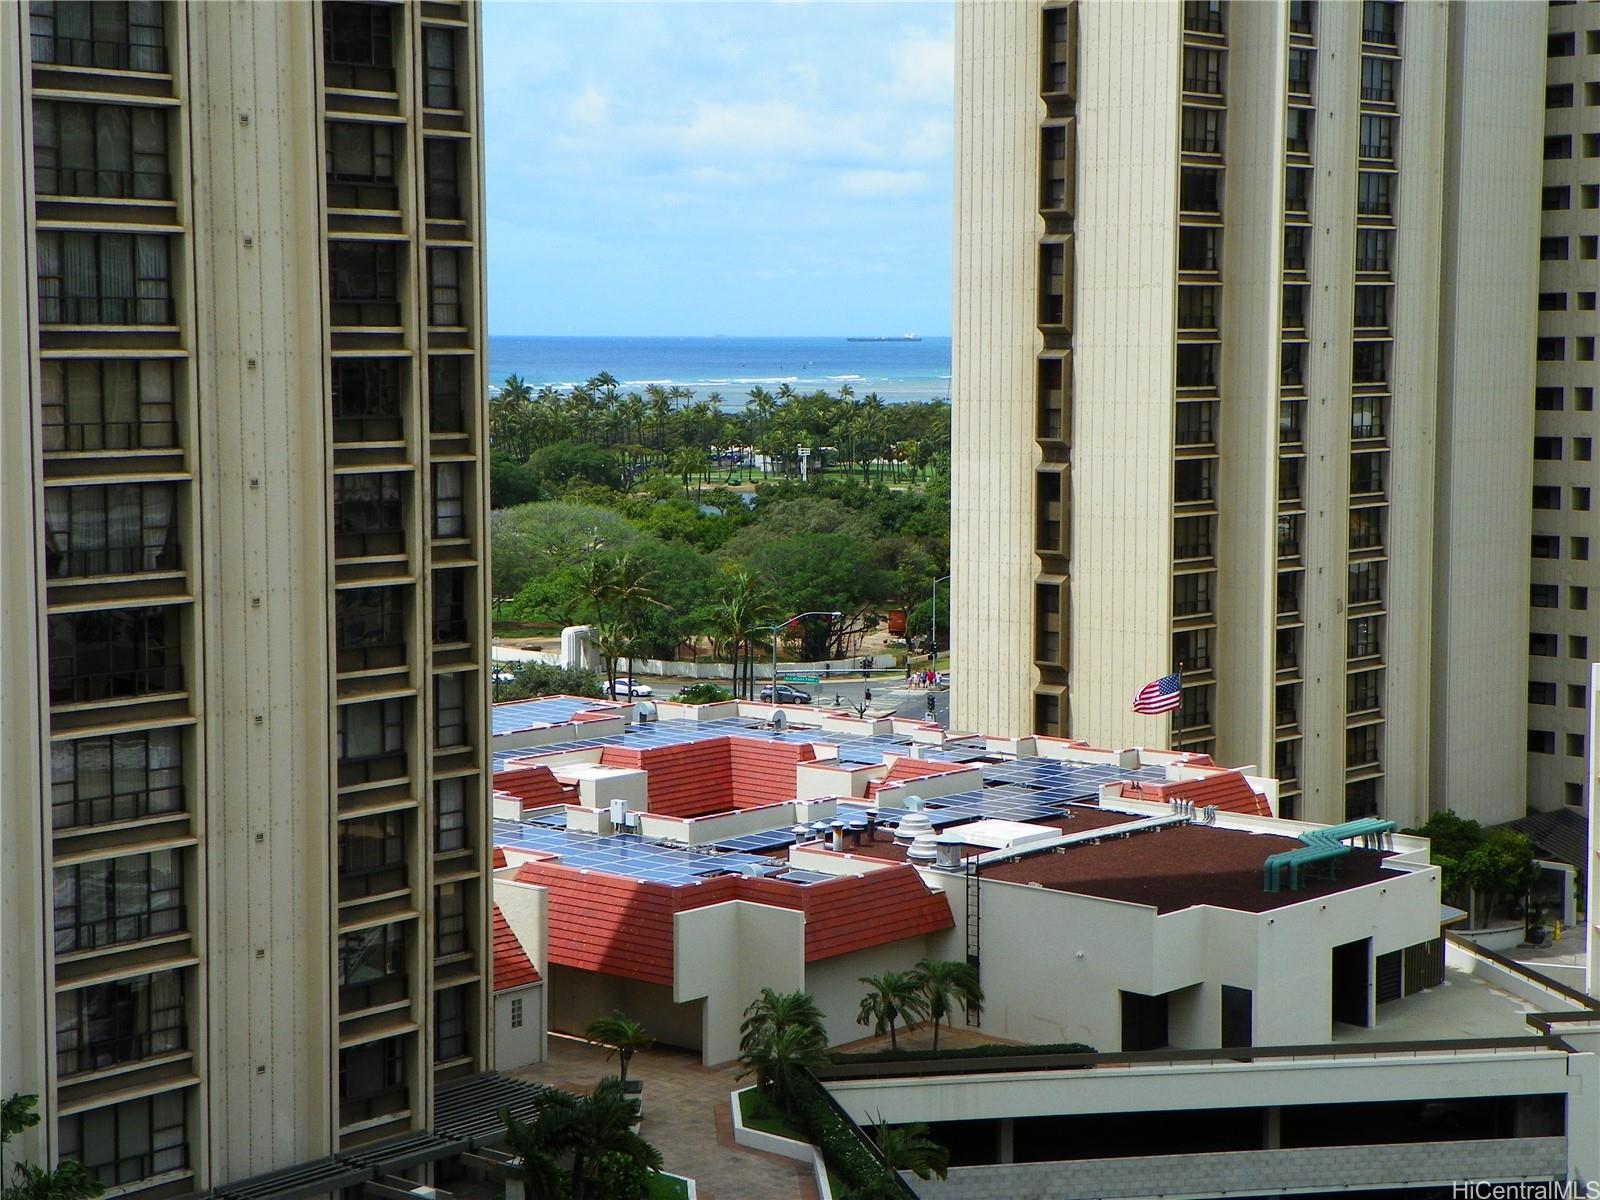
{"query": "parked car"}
pixel 628 689
pixel 504 675
pixel 786 695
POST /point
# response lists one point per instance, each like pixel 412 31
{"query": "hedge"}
pixel 840 1142
pixel 987 1050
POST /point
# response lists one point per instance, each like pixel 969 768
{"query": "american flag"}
pixel 1159 695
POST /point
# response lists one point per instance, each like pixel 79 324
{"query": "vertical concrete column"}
pixel 1007 1149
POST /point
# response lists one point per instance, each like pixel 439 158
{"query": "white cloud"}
pixel 924 69
pixel 882 183
pixel 591 106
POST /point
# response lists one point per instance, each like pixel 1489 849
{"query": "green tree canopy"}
pixel 563 463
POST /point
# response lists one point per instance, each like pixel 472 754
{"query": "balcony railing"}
pixel 84 686
pixel 99 183
pixel 77 437
pixel 80 812
pixel 113 560
pixel 106 310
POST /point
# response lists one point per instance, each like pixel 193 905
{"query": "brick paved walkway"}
pixel 686 1117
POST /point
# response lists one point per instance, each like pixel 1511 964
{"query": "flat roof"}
pixel 1181 866
pixel 1081 818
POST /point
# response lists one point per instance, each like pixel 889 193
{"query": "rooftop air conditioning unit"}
pixel 779 720
pixel 644 711
pixel 949 849
pixel 619 814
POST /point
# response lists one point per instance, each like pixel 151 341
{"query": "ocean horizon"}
pixel 898 371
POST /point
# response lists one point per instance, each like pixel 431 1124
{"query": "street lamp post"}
pixel 772 631
pixel 933 641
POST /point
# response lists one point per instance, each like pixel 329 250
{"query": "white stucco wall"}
pixel 518 1046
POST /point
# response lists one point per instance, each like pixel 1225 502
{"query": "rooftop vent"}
pixel 912 826
pixel 923 848
pixel 779 720
pixel 949 849
pixel 802 832
pixel 914 803
pixel 644 711
pixel 1208 814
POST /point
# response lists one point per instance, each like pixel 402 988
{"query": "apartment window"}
pixel 1552 302
pixel 1558 146
pixel 1286 762
pixel 449 503
pixel 1290 471
pixel 1374 194
pixel 106 150
pixel 1286 650
pixel 1198 248
pixel 1561 45
pixel 1192 538
pixel 1372 307
pixel 450 920
pixel 108 34
pixel 1553 249
pixel 1196 423
pixel 1586 301
pixel 449 815
pixel 1289 587
pixel 372 742
pixel 449 711
pixel 1365 583
pixel 1541 692
pixel 1377 79
pixel 442 171
pixel 1202 71
pixel 1051 410
pixel 1294 305
pixel 516 1012
pixel 444 288
pixel 115 529
pixel 1047 639
pixel 104 279
pixel 1583 399
pixel 1292 365
pixel 1361 747
pixel 124 1021
pixel 1591 93
pixel 1194 710
pixel 1202 130
pixel 1302 14
pixel 1364 637
pixel 439 80
pixel 1290 416
pixel 1297 189
pixel 1369 363
pixel 1578 598
pixel 1549 399
pixel 1588 247
pixel 1197 308
pixel 1366 418
pixel 1574 745
pixel 127 1142
pixel 1544 595
pixel 1197 365
pixel 1056 166
pixel 1377 137
pixel 1366 528
pixel 1577 696
pixel 1551 349
pixel 358 46
pixel 1547 449
pixel 364 283
pixel 1578 647
pixel 372 1081
pixel 368 512
pixel 1298 136
pixel 1059 52
pixel 1573 793
pixel 1558 95
pixel 1200 190
pixel 1300 72
pixel 1191 649
pixel 1295 240
pixel 372 856
pixel 1380 22
pixel 1546 546
pixel 1591 145
pixel 121 777
pixel 1541 741
pixel 1191 594
pixel 372 967
pixel 1544 645
pixel 361 165
pixel 1202 16
pixel 370 628
pixel 113 654
pixel 1585 349
pixel 1192 480
pixel 1580 499
pixel 450 606
pixel 367 400
pixel 1053 283
pixel 1366 474
pixel 107 404
pixel 1556 199
pixel 450 1023
pixel 1591 195
pixel 446 413
pixel 1362 690
pixel 1546 497
pixel 112 901
pixel 1289 535
pixel 1047 713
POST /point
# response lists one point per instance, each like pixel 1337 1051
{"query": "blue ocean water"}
pixel 896 371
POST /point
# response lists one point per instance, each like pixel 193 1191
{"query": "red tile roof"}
pixel 497 860
pixel 606 923
pixel 512 967
pixel 535 786
pixel 1227 791
pixel 905 768
pixel 726 774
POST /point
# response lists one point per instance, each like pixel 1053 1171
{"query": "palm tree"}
pixel 743 603
pixel 539 1144
pixel 910 1148
pixel 685 463
pixel 776 1056
pixel 893 995
pixel 625 1036
pixel 772 1012
pixel 588 1128
pixel 945 984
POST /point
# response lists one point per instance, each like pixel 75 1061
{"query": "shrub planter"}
pixel 771 1143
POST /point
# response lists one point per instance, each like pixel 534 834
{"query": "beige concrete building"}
pixel 1242 295
pixel 243 735
pixel 1564 628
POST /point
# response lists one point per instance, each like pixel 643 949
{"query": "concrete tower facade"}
pixel 1240 302
pixel 244 619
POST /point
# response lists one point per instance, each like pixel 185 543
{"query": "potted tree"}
pixel 625 1037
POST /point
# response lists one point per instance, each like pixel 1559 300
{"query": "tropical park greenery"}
pixel 648 517
pixel 68 1181
pixel 583 1147
pixel 1480 869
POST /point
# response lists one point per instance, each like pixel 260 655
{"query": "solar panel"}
pixel 541 710
pixel 628 855
pixel 753 843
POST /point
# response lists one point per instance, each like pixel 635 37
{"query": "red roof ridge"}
pixel 512 966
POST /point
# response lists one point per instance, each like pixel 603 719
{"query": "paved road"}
pixel 887 690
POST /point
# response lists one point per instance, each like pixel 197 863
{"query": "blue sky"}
pixel 702 168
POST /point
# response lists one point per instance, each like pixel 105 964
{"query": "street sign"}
pixel 800 678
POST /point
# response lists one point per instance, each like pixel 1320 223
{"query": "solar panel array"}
pixel 541 710
pixel 633 857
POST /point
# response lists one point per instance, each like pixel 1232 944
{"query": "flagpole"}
pixel 1172 717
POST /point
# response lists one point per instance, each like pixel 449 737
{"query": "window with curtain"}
pixel 123 1143
pixel 449 815
pixel 90 405
pixel 122 777
pixel 450 921
pixel 450 1024
pixel 449 711
pixel 114 654
pixel 110 529
pixel 107 150
pixel 123 1021
pixel 449 505
pixel 118 35
pixel 104 279
pixel 439 86
pixel 444 288
pixel 117 900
